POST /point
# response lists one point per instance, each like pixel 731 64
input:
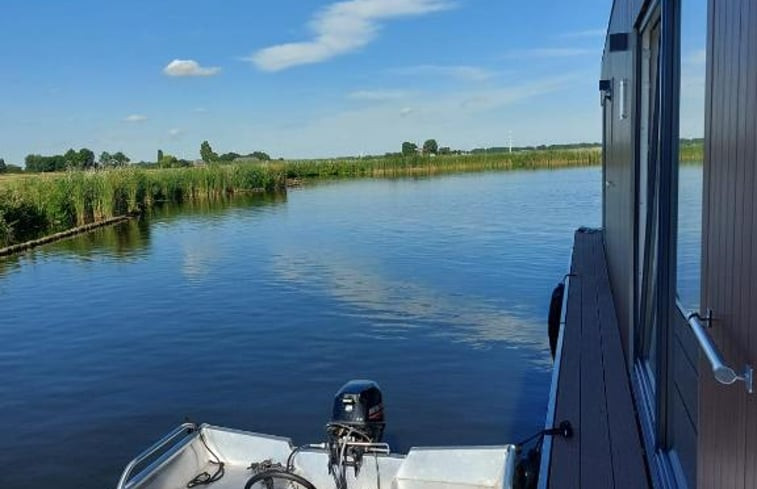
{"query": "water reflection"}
pixel 130 240
pixel 217 207
pixel 437 289
pixel 124 241
pixel 394 307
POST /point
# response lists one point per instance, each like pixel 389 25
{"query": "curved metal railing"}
pixel 184 429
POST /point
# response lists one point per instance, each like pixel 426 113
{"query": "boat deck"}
pixel 592 388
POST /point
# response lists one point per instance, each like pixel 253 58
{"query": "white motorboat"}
pixel 352 456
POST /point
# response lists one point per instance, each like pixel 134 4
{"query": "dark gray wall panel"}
pixel 727 414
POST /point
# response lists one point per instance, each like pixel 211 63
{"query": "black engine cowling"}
pixel 359 405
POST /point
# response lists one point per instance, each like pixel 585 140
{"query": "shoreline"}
pixel 62 205
pixel 69 233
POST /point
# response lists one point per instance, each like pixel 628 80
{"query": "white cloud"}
pixel 549 53
pixel 484 100
pixel 175 133
pixel 588 33
pixel 135 118
pixel 341 28
pixel 406 111
pixel 200 110
pixel 377 95
pixel 461 72
pixel 189 67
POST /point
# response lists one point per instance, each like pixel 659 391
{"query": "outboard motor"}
pixel 356 428
pixel 358 407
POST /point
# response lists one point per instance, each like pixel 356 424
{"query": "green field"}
pixel 33 205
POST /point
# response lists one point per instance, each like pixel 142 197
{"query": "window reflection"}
pixel 693 74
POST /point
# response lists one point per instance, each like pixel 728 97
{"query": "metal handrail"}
pixel 722 372
pixel 185 428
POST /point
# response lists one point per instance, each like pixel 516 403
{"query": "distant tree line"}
pixel 430 147
pixel 8 168
pixel 542 147
pixel 84 159
pixel 209 156
pixel 114 160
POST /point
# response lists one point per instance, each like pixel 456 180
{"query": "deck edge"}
pixel 549 422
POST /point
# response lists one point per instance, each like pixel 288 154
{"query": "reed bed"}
pixel 391 166
pixel 36 205
pixel 691 152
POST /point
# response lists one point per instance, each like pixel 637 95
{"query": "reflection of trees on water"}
pixel 124 241
pixel 169 211
pixel 130 240
pixel 7 264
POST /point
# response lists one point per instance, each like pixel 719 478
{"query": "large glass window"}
pixel 692 117
pixel 649 200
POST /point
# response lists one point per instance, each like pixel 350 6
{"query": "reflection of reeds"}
pixel 33 205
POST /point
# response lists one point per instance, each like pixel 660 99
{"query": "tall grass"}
pixel 417 165
pixel 34 205
pixel 43 204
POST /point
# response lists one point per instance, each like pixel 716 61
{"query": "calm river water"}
pixel 252 314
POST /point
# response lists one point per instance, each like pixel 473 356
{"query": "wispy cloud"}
pixel 588 33
pixel 697 57
pixel 341 28
pixel 484 100
pixel 134 118
pixel 377 95
pixel 175 133
pixel 406 111
pixel 189 67
pixel 461 72
pixel 548 53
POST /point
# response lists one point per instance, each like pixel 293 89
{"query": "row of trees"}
pixel 7 168
pixel 430 147
pixel 84 159
pixel 209 156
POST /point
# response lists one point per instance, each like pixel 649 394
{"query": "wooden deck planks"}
pixel 593 387
pixel 595 469
pixel 564 467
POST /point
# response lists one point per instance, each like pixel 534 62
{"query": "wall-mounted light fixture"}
pixel 605 91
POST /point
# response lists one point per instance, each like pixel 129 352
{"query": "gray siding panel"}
pixel 750 180
pixel 728 428
pixel 620 173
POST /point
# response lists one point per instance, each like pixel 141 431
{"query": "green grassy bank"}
pixel 33 205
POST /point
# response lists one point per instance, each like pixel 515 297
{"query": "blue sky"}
pixel 296 78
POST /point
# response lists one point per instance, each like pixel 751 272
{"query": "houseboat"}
pixel 652 384
pixel 654 359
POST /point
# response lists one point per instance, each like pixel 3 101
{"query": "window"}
pixel 649 200
pixel 692 117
